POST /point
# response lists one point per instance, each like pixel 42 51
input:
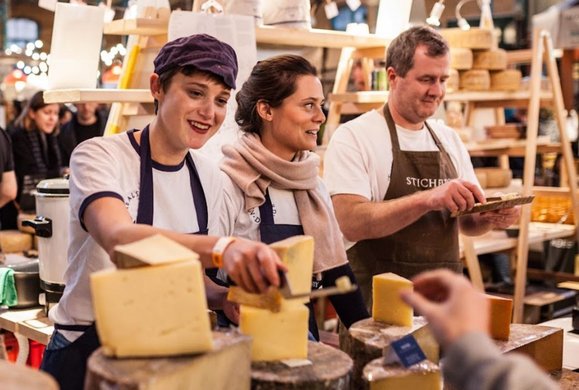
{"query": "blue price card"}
pixel 408 351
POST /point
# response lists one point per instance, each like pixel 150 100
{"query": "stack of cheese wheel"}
pixel 481 67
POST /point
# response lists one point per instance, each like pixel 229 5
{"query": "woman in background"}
pixel 274 191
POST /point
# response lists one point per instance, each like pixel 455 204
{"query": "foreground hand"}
pixel 501 219
pixel 455 195
pixel 252 265
pixel 450 304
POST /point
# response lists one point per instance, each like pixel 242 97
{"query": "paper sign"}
pixel 408 351
pixel 393 17
pixel 353 4
pixel 331 10
pixel 47 4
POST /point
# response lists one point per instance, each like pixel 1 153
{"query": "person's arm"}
pixel 458 316
pixel 217 300
pixel 477 224
pixel 7 187
pixel 361 219
pixel 253 266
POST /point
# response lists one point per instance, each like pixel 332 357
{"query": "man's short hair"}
pixel 400 55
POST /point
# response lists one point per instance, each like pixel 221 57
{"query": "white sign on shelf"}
pixel 47 4
pixel 393 17
pixel 76 43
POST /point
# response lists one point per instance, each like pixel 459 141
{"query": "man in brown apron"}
pixel 409 229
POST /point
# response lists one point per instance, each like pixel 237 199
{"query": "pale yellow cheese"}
pixel 453 81
pixel 475 80
pixel 506 80
pixel 297 253
pixel 153 250
pixel 501 310
pixel 387 306
pixel 494 59
pixel 460 58
pixel 424 376
pixel 276 336
pixel 152 311
pixel 12 241
pixel 475 38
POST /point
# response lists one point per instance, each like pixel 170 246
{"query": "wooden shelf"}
pixel 363 97
pixel 139 26
pixel 491 99
pixel 511 147
pixel 98 95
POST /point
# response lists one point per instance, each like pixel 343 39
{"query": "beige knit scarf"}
pixel 253 168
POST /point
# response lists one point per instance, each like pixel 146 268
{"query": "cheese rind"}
pixel 501 310
pixel 152 311
pixel 453 81
pixel 506 80
pixel 494 59
pixel 475 80
pixel 461 58
pixel 276 336
pixel 153 250
pixel 424 376
pixel 12 241
pixel 387 306
pixel 297 253
pixel 475 38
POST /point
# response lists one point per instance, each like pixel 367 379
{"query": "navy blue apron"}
pixel 68 364
pixel 271 232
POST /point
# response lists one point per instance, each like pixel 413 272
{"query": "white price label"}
pixel 353 4
pixel 331 10
pixel 47 4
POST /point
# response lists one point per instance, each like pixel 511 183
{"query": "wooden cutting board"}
pixel 495 205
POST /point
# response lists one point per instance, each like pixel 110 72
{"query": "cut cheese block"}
pixel 387 306
pixel 495 59
pixel 461 58
pixel 270 300
pixel 495 177
pixel 276 336
pixel 424 376
pixel 475 38
pixel 12 241
pixel 297 253
pixel 152 311
pixel 453 81
pixel 227 366
pixel 506 80
pixel 475 80
pixel 153 250
pixel 501 310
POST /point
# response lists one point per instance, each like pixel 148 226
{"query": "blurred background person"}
pixel 7 175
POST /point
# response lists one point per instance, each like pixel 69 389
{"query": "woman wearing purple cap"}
pixel 142 182
pixel 274 191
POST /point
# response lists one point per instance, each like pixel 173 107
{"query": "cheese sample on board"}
pixel 494 59
pixel 475 38
pixel 152 311
pixel 276 336
pixel 297 253
pixel 153 250
pixel 387 306
pixel 506 80
pixel 12 241
pixel 501 310
pixel 460 58
pixel 424 376
pixel 475 80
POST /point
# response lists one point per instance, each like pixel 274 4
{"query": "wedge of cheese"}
pixel 152 311
pixel 501 310
pixel 297 253
pixel 153 250
pixel 276 336
pixel 387 306
pixel 424 376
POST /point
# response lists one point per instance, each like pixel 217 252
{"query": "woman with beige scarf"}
pixel 274 191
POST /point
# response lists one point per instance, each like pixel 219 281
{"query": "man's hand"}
pixel 450 304
pixel 252 265
pixel 231 311
pixel 455 195
pixel 501 219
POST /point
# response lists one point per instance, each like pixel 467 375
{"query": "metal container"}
pixel 27 281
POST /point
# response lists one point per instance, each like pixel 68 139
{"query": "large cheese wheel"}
pixel 475 38
pixel 506 80
pixel 453 81
pixel 495 59
pixel 461 58
pixel 475 80
pixel 496 177
pixel 12 241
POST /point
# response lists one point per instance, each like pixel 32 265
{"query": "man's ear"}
pixel 155 85
pixel 264 110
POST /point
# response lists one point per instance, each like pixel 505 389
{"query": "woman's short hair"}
pixel 35 103
pixel 271 80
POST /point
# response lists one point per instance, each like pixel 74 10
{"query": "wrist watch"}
pixel 220 246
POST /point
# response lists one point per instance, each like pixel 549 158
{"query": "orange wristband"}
pixel 220 246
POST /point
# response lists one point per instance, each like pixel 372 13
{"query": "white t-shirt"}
pixel 110 167
pixel 358 159
pixel 234 220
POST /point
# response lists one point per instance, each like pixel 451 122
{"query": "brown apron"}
pixel 430 242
